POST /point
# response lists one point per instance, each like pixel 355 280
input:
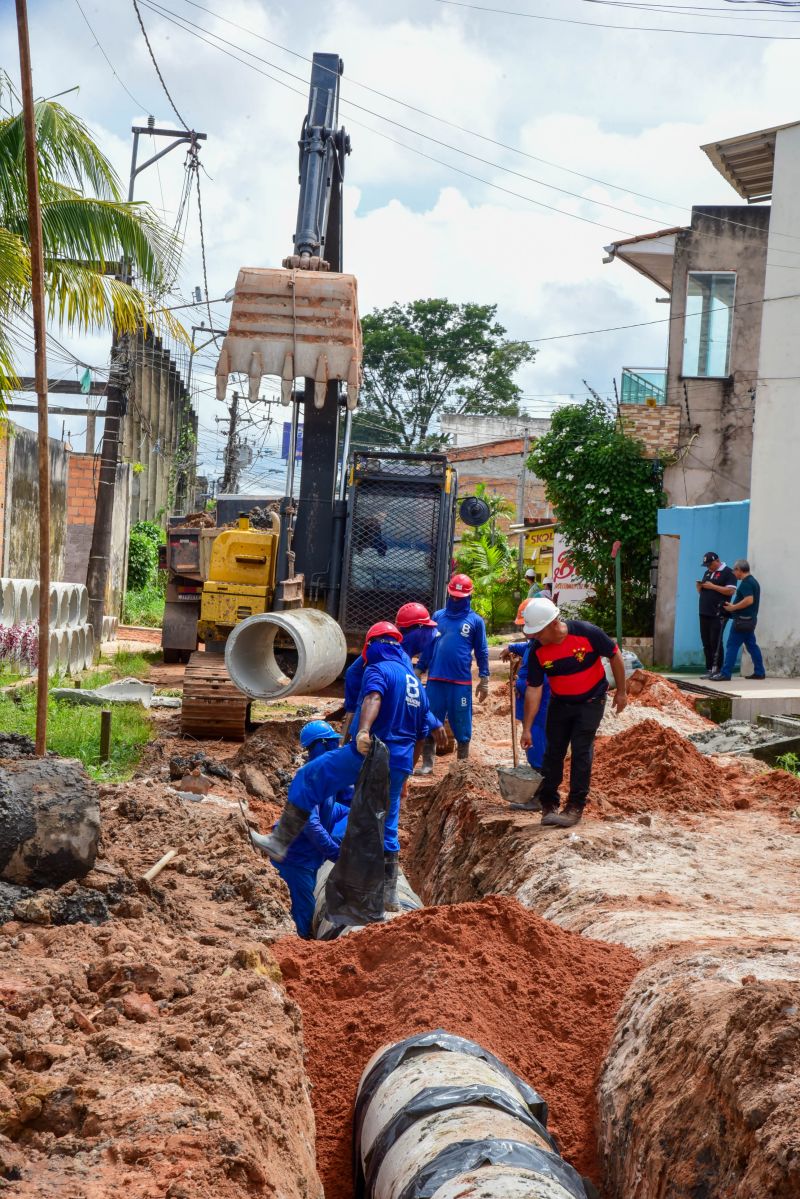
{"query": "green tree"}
pixel 87 229
pixel 603 491
pixel 430 357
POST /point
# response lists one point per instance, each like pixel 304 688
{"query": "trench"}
pixel 636 972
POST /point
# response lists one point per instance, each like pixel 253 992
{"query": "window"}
pixel 708 325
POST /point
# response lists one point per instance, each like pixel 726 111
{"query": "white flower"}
pixel 604 491
pixel 558 474
pixel 624 517
pixel 608 511
pixel 590 487
pixel 570 477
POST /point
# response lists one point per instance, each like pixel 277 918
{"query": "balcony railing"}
pixel 641 385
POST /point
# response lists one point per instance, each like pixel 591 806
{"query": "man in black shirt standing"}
pixel 715 589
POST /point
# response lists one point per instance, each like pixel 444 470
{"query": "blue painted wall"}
pixel 720 527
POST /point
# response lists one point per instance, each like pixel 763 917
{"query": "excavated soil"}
pixel 701 1091
pixel 652 768
pixel 542 999
pixel 155 1053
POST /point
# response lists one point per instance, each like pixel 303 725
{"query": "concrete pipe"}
pixel 439 1116
pixel 69 604
pixel 83 604
pixel 74 651
pixel 325 930
pixel 22 594
pixel 80 642
pixel 53 663
pixel 8 607
pixel 34 603
pixel 250 653
pixel 88 660
pixel 55 606
pixel 62 637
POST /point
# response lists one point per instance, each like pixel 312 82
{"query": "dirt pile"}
pixel 652 768
pixel 702 1087
pixel 652 697
pixel 268 759
pixel 542 999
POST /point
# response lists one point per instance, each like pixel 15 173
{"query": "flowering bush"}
pixel 19 643
pixel 603 491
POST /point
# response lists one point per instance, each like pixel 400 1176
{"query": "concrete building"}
pixel 696 415
pixel 501 466
pixel 760 166
pixel 462 430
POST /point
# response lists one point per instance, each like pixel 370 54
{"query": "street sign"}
pixel 287 434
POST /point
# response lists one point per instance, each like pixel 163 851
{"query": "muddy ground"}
pixel 641 971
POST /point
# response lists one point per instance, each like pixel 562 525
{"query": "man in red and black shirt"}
pixel 570 653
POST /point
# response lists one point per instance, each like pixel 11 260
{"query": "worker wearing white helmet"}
pixel 569 654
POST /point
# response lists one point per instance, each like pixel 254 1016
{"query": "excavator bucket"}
pixel 293 324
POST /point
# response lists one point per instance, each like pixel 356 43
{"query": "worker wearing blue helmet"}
pixel 322 833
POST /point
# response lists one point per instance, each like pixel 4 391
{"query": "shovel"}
pixel 518 784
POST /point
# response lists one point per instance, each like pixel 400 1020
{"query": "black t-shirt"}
pixel 711 601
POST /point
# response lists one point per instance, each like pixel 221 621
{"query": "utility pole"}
pixel 40 345
pixel 117 403
pixel 232 466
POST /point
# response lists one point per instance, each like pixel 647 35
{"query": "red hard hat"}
pixel 384 628
pixel 460 585
pixel 413 614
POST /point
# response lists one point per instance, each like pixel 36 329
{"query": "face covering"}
pixel 384 651
pixel 458 607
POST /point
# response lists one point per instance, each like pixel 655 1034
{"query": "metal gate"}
pixel 401 512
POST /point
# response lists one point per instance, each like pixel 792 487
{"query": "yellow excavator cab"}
pixel 241 580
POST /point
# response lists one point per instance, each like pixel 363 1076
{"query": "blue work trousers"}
pixel 453 702
pixel 535 752
pixel 734 644
pixel 397 780
pixel 301 881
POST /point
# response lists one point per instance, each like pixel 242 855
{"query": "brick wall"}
pixel 81 486
pixel 657 428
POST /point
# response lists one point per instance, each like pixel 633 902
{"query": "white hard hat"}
pixel 530 573
pixel 539 613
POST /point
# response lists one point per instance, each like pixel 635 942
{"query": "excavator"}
pixel 368 531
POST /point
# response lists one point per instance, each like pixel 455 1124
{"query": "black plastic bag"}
pixel 354 889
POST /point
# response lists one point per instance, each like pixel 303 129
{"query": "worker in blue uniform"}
pixel 448 662
pixel 322 834
pixel 394 708
pixel 535 751
pixel 418 630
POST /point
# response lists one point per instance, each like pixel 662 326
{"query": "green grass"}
pixel 144 608
pixel 11 673
pixel 124 664
pixel 789 762
pixel 74 732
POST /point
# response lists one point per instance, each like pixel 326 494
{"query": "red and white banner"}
pixel 568 586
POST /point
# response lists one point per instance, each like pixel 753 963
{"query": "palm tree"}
pixel 88 232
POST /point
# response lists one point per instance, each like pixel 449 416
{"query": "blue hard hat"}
pixel 316 730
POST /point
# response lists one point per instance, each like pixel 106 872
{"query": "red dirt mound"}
pixel 654 691
pixel 542 999
pixel 651 767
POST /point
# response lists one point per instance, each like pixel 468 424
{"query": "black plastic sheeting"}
pixel 388 1062
pixel 354 887
pixel 464 1156
pixel 443 1099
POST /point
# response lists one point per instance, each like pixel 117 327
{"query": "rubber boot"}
pixel 462 751
pixel 428 757
pixel 566 819
pixel 276 844
pixel 391 866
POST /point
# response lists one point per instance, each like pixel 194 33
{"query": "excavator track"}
pixel 213 706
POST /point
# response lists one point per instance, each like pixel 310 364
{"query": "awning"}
pixel 748 161
pixel 651 254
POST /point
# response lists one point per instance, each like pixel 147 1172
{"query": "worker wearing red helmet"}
pixel 418 630
pixel 461 634
pixel 394 708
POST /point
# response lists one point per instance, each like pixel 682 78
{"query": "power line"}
pixel 196 30
pixel 507 12
pixel 113 69
pixel 183 123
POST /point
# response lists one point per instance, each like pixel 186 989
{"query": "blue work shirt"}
pixel 461 633
pixel 404 716
pixel 317 843
pixel 353 678
pixel 522 649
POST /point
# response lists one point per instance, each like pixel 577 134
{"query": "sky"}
pixel 493 155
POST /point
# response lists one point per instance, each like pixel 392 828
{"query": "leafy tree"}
pixel 603 491
pixel 430 357
pixel 87 230
pixel 142 560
